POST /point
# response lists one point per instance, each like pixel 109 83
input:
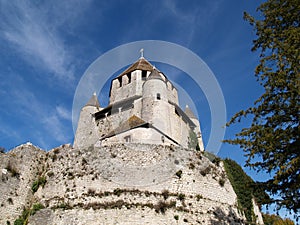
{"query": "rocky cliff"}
pixel 115 184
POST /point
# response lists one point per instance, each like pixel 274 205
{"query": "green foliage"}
pixel 176 217
pixel 23 219
pixel 36 207
pixel 244 187
pixel 64 206
pixel 41 181
pixel 276 220
pixel 272 141
pixel 19 221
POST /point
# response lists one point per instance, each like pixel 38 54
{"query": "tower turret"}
pixel 87 132
pixel 155 106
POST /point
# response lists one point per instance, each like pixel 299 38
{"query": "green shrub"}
pixel 36 207
pixel 22 220
pixel 245 188
pixel 41 181
pixel 176 217
pixel 19 221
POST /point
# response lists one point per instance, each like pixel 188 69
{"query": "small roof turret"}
pixel 189 112
pixel 93 101
pixel 154 74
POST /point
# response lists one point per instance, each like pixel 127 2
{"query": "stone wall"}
pixel 19 169
pixel 120 184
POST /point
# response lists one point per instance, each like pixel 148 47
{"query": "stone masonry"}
pixel 117 184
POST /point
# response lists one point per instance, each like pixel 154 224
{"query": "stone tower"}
pixel 143 108
pixel 155 106
pixel 87 132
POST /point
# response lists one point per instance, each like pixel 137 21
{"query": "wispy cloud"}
pixel 43 121
pixel 33 30
pixel 63 113
pixel 192 18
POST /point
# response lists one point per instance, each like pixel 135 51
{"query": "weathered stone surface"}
pixel 118 184
pixel 20 167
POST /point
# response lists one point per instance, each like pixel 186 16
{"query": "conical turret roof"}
pixel 93 101
pixel 154 75
pixel 189 112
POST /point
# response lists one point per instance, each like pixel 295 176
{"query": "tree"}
pixel 271 142
pixel 245 188
pixel 276 220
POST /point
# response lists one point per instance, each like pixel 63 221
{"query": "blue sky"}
pixel 46 46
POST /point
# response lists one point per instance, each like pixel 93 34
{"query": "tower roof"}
pixel 141 64
pixel 189 112
pixel 93 101
pixel 154 75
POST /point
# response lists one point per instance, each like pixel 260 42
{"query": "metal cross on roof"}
pixel 142 52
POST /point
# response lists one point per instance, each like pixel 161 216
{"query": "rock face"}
pixel 115 184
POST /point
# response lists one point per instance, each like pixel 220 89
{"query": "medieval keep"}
pixel 143 108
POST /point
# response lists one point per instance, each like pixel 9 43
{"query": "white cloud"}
pixel 33 29
pixel 63 113
pixel 54 126
pixel 49 119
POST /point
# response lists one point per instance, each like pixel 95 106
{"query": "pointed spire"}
pixel 189 112
pixel 93 101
